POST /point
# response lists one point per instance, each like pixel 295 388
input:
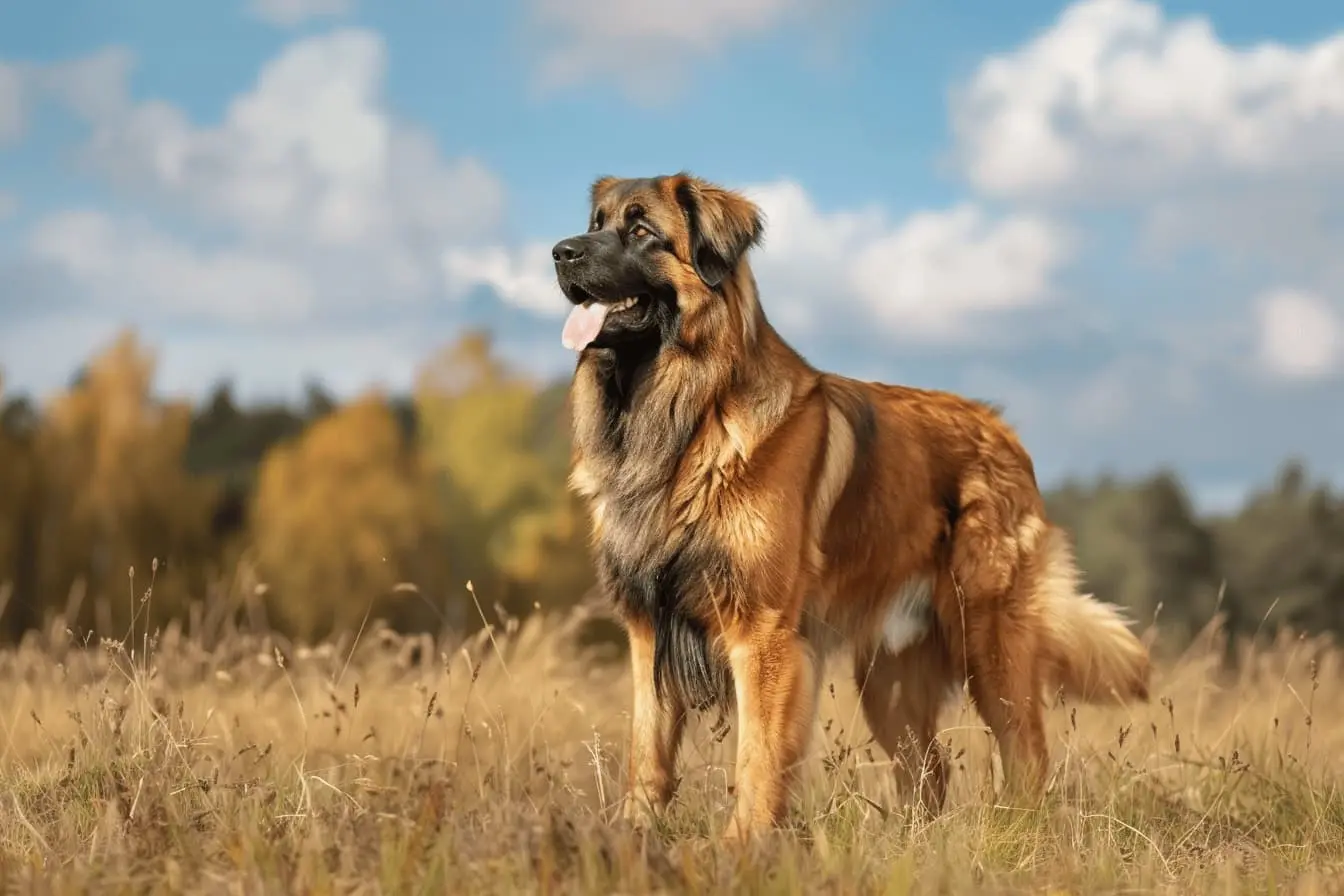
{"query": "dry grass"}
pixel 231 763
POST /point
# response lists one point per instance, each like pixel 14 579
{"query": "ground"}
pixel 218 762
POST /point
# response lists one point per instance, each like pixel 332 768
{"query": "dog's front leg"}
pixel 774 674
pixel 655 734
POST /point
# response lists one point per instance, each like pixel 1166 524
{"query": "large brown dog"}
pixel 751 512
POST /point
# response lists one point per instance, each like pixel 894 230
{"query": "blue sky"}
pixel 1115 217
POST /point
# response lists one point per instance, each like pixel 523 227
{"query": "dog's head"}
pixel 657 253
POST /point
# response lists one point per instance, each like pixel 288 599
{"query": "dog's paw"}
pixel 637 814
pixel 737 833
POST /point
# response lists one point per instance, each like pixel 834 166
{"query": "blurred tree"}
pixel 1140 545
pixel 18 504
pixel 114 494
pixel 227 444
pixel 1284 556
pixel 500 447
pixel 228 440
pixel 341 516
pixel 317 401
pixel 466 479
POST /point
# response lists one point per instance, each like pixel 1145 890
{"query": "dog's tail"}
pixel 1089 649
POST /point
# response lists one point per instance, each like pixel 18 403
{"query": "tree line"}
pixel 313 519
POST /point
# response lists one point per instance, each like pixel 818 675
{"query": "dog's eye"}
pixel 639 231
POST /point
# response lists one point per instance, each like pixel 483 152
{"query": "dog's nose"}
pixel 567 250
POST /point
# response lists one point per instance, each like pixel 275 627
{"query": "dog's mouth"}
pixel 586 320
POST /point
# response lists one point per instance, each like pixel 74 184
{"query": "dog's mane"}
pixel 651 427
pixel 642 409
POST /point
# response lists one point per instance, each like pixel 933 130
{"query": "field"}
pixel 214 761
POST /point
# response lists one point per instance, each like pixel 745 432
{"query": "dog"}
pixel 751 513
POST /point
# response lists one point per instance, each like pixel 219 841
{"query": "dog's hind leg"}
pixel 902 695
pixel 1005 685
pixel 993 632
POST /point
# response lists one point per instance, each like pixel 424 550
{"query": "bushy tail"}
pixel 1091 652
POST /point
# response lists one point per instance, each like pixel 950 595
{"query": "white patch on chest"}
pixel 908 614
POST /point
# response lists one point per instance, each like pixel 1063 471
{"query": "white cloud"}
pixel 1115 98
pixel 929 276
pixel 95 86
pixel 126 264
pixel 1301 337
pixel 299 216
pixel 310 155
pixel 12 103
pixel 287 13
pixel 522 277
pixel 645 45
pixel 937 269
pixel 1207 145
pixel 308 175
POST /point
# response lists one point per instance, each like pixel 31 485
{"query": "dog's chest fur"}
pixel 646 470
pixel 655 519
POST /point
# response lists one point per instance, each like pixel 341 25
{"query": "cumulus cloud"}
pixel 937 269
pixel 288 13
pixel 93 85
pixel 1116 97
pixel 310 155
pixel 646 44
pixel 1207 145
pixel 1300 335
pixel 931 276
pixel 129 264
pixel 522 277
pixel 327 197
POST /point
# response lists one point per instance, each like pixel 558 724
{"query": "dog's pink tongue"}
pixel 583 325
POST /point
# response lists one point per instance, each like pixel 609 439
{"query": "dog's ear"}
pixel 595 195
pixel 599 187
pixel 722 224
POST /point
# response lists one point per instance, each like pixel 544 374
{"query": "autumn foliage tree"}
pixel 19 479
pixel 498 445
pixel 340 519
pixel 311 516
pixel 105 493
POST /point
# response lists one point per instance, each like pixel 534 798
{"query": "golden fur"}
pixel 750 512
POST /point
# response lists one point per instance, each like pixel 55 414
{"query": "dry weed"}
pixel 240 763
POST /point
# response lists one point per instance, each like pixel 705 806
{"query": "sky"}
pixel 1113 217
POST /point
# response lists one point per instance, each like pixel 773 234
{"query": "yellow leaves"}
pixel 500 457
pixel 340 516
pixel 336 516
pixel 114 491
pixel 476 425
pixel 108 434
